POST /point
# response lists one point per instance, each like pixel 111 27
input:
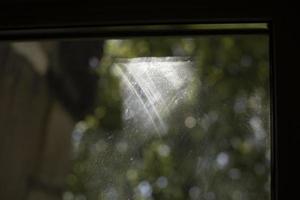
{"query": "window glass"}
pixel 195 121
pixel 141 118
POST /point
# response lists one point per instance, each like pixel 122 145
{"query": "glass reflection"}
pixel 141 118
pixel 194 121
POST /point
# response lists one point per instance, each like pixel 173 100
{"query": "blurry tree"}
pixel 217 146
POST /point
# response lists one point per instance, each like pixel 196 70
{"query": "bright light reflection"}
pixel 152 87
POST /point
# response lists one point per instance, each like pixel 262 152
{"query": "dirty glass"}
pixel 147 118
pixel 195 122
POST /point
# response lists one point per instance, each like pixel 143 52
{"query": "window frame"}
pixel 26 20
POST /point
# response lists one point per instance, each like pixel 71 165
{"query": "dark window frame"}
pixel 25 20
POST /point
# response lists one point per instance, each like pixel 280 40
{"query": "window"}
pixel 191 124
pixel 173 117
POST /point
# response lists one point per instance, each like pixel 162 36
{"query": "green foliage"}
pixel 225 155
